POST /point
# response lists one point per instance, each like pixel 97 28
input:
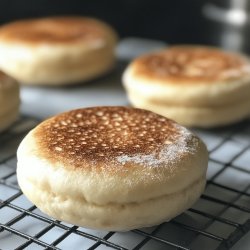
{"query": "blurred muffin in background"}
pixel 57 50
pixel 194 85
pixel 9 101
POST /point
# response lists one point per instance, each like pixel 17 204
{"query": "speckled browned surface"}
pixel 53 30
pixel 192 63
pixel 104 134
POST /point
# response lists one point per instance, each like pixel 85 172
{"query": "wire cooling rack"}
pixel 218 220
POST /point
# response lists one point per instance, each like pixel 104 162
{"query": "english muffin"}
pixel 194 85
pixel 57 50
pixel 112 168
pixel 9 101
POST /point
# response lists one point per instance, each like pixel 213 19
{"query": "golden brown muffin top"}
pixel 58 30
pixel 112 135
pixel 180 64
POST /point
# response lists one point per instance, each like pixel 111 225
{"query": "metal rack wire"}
pixel 218 220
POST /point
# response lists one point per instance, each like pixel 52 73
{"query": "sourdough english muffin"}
pixel 111 168
pixel 194 85
pixel 57 50
pixel 9 101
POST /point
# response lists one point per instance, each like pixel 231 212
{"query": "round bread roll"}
pixel 197 116
pixel 9 101
pixel 112 168
pixel 57 50
pixel 187 83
